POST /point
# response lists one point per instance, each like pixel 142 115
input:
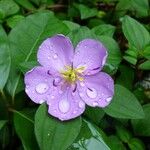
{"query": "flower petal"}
pixel 38 84
pixel 66 107
pixel 91 54
pixel 97 90
pixel 55 52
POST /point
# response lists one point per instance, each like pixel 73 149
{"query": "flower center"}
pixel 72 75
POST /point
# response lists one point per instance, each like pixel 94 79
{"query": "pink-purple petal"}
pixel 66 107
pixel 97 90
pixel 91 54
pixel 55 53
pixel 38 84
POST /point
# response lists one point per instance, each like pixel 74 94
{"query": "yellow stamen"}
pixel 71 75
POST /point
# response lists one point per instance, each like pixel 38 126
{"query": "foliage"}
pixel 123 27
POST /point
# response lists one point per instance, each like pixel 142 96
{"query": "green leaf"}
pixel 114 54
pixel 53 134
pixel 140 8
pixel 14 20
pixel 135 33
pixel 115 143
pixel 2 123
pixel 90 138
pixel 130 59
pixel 25 4
pixel 24 126
pixel 5 60
pixel 145 65
pixel 146 52
pixel 123 78
pixel 124 105
pixel 95 114
pixel 104 29
pixel 7 8
pixel 142 126
pixel 71 25
pixel 26 38
pixel 123 133
pixel 86 12
pixel 136 144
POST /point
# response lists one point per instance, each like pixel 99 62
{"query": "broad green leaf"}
pixel 7 8
pixel 146 52
pixel 26 38
pixel 24 126
pixel 14 20
pixel 136 144
pixel 135 33
pixel 53 134
pixel 71 25
pixel 124 105
pixel 104 29
pixel 114 54
pixel 145 65
pixel 94 114
pixel 90 138
pixel 5 60
pixel 2 123
pixel 130 59
pixel 142 126
pixel 25 4
pixel 86 12
pixel 126 76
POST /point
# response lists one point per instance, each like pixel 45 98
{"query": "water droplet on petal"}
pixel 42 88
pixel 74 112
pixel 41 101
pixel 64 106
pixel 52 97
pixel 92 93
pixel 49 57
pixel 81 104
pixel 81 94
pixel 109 99
pixel 55 56
pixel 82 84
pixel 60 91
pixel 95 104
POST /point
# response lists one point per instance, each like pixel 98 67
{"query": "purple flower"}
pixel 68 79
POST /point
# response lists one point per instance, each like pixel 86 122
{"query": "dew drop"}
pixel 81 94
pixel 55 56
pixel 41 101
pixel 52 97
pixel 49 57
pixel 92 93
pixel 109 99
pixel 81 104
pixel 82 84
pixel 64 106
pixel 95 103
pixel 41 88
pixel 74 112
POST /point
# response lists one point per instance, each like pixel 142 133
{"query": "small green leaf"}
pixel 123 133
pixel 136 144
pixel 24 126
pixel 71 25
pixel 2 123
pixel 142 126
pixel 130 59
pixel 86 12
pixel 115 143
pixel 7 8
pixel 145 65
pixel 53 134
pixel 5 59
pixel 104 29
pixel 135 33
pixel 124 105
pixel 14 20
